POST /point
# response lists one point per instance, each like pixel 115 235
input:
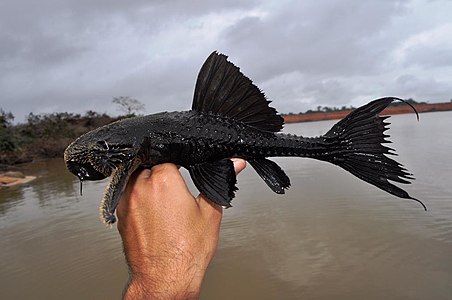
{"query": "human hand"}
pixel 169 236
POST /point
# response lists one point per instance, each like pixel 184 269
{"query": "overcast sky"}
pixel 76 55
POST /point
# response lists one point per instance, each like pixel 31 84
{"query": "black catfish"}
pixel 231 117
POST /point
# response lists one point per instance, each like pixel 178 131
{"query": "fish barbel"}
pixel 231 117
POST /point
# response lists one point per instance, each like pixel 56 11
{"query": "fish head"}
pixel 96 154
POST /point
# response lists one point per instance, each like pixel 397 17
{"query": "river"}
pixel 331 236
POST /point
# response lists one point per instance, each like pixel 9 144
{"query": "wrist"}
pixel 168 278
pixel 141 288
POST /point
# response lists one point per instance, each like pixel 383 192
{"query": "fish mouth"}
pixel 84 171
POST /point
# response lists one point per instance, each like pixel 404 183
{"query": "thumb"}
pixel 239 165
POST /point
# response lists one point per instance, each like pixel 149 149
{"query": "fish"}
pixel 231 117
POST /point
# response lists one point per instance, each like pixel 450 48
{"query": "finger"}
pixel 138 176
pixel 239 165
pixel 131 183
pixel 143 174
pixel 138 184
pixel 166 182
pixel 164 170
pixel 164 176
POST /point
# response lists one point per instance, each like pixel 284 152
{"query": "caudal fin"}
pixel 356 144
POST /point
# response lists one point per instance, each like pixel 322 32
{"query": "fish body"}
pixel 230 117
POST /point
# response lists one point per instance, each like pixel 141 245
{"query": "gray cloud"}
pixel 427 88
pixel 327 38
pixel 77 55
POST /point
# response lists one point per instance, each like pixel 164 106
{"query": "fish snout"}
pixel 85 171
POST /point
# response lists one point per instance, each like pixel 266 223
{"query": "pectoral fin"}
pixel 271 173
pixel 113 192
pixel 216 180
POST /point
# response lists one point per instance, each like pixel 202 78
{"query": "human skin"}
pixel 169 236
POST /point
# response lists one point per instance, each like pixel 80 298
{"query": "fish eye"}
pixel 84 171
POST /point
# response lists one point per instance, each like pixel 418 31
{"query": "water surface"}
pixel 331 236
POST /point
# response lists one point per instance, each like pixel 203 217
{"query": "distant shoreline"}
pixel 390 110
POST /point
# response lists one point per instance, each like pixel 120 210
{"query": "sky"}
pixel 76 55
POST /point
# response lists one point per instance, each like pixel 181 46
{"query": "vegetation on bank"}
pixel 47 135
pixel 327 109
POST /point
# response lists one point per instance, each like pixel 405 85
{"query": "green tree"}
pixel 7 141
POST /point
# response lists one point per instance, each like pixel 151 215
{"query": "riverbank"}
pixel 391 110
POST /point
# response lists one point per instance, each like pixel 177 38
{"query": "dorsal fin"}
pixel 222 89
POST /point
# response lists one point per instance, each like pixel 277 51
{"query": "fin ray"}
pixel 222 89
pixel 355 144
pixel 217 180
pixel 271 173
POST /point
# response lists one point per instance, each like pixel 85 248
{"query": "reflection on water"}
pixel 330 237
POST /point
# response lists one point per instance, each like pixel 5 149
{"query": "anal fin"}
pixel 271 173
pixel 216 180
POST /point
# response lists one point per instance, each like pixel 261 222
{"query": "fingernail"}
pixel 239 164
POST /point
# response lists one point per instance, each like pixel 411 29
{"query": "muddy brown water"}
pixel 330 237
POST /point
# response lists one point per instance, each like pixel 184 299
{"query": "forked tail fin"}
pixel 356 144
